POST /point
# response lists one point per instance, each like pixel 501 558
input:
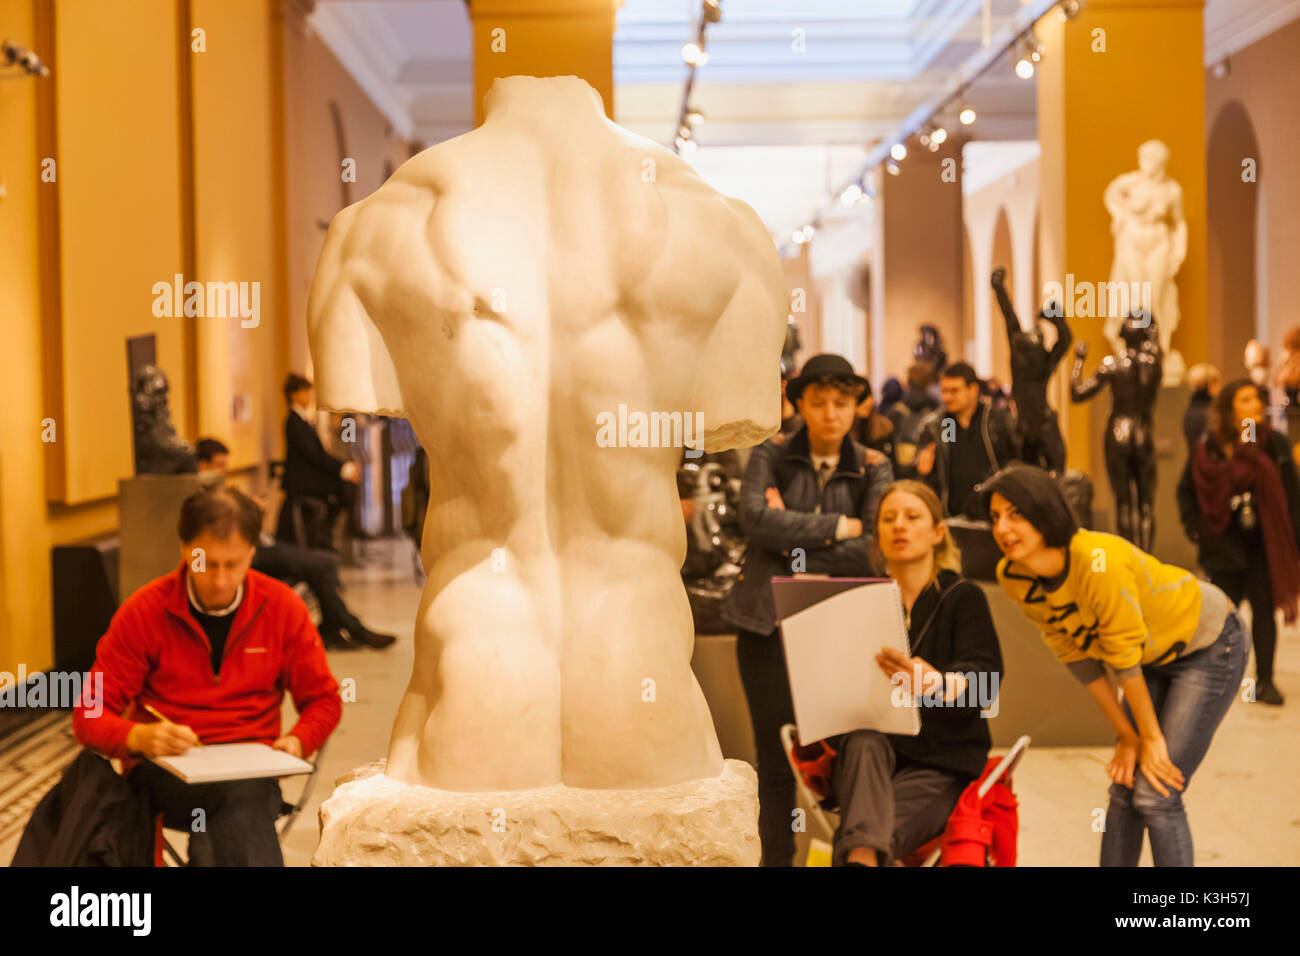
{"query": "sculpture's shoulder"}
pixel 678 183
pixel 408 196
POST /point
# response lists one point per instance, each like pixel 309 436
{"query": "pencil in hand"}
pixel 166 721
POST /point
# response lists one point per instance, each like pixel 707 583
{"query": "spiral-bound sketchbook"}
pixel 832 629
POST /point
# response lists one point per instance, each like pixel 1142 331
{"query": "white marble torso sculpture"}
pixel 502 290
pixel 1146 209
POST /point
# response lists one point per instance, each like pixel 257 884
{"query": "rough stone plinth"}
pixel 372 820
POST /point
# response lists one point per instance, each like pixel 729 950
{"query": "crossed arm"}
pixel 775 528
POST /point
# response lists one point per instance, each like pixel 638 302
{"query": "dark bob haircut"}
pixel 221 510
pixel 1038 497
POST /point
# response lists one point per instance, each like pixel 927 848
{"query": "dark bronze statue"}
pixel 1032 366
pixel 1134 377
pixel 792 345
pixel 929 348
pixel 158 449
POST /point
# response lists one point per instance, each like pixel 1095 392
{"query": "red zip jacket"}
pixel 156 653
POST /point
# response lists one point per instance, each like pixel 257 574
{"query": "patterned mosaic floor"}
pixel 32 757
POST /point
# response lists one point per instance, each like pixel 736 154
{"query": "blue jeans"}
pixel 1190 696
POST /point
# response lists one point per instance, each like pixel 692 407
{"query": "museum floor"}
pixel 1242 804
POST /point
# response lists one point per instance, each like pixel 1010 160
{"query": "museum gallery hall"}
pixel 720 433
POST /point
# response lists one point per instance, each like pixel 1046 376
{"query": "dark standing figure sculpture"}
pixel 158 449
pixel 1134 378
pixel 930 349
pixel 791 346
pixel 1032 366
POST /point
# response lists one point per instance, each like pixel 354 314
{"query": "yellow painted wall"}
pixel 1094 110
pixel 119 228
pixel 28 526
pixel 167 160
pixel 543 38
pixel 235 200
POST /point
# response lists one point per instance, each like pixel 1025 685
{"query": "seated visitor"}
pixel 1119 619
pixel 896 792
pixel 807 503
pixel 310 471
pixel 212 646
pixel 319 570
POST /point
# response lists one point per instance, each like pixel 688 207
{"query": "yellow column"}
pixel 543 38
pixel 1123 72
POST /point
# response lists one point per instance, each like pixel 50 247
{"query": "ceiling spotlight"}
pixel 898 151
pixel 939 136
pixel 712 10
pixel 892 168
pixel 1069 10
pixel 1222 68
pixel 852 193
pixel 694 54
pixel 797 237
pixel 808 231
pixel 1024 68
pixel 934 146
pixel 694 117
pixel 967 115
pixel 923 139
pixel 686 145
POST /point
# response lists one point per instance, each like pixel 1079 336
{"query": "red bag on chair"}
pixel 982 829
pixel 813 762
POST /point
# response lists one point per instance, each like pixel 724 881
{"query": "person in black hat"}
pixel 807 505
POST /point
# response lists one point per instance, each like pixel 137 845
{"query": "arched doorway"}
pixel 1232 207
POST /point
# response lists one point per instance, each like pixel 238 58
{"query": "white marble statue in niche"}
pixel 502 290
pixel 1146 210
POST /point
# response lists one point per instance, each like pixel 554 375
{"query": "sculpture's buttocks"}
pixel 503 290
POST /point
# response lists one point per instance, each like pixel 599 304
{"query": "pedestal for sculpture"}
pixel 373 820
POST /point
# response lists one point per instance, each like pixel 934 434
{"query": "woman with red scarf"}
pixel 1239 499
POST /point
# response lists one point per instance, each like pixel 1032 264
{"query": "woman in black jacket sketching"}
pixel 895 792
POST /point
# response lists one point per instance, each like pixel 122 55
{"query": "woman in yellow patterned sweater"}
pixel 1114 614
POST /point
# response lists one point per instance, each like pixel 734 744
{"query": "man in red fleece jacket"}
pixel 212 646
